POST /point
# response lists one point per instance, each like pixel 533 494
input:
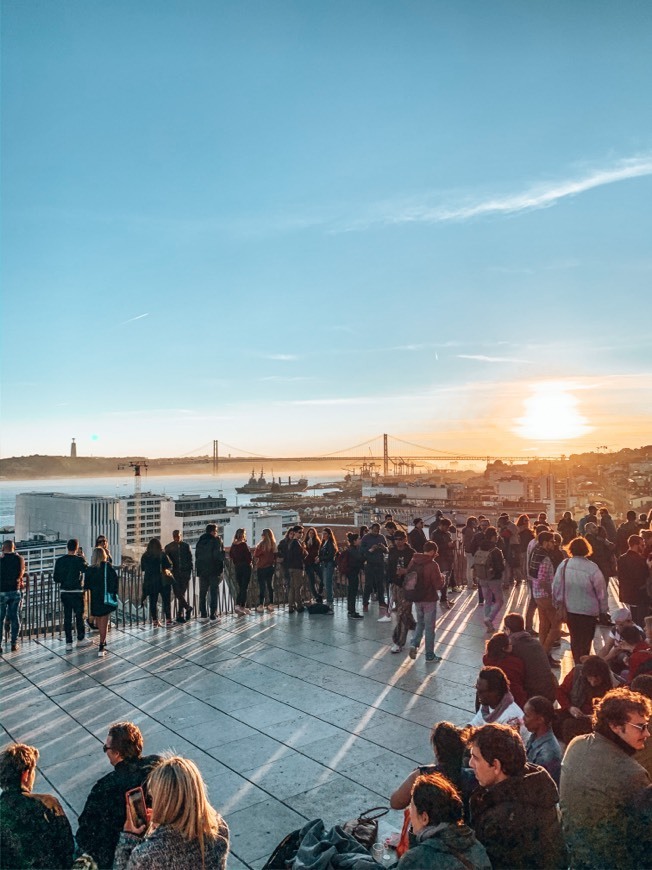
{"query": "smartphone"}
pixel 137 807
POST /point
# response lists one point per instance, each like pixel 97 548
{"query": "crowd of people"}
pixel 544 775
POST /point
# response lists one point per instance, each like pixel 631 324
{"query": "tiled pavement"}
pixel 289 717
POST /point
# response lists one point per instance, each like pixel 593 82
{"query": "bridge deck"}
pixel 289 717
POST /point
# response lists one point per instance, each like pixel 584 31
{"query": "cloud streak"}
pixel 479 357
pixel 534 197
pixel 131 319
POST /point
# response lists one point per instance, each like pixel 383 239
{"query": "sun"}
pixel 551 414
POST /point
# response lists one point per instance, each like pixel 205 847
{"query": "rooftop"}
pixel 289 717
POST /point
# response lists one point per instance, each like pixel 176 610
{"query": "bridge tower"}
pixel 216 458
pixel 385 457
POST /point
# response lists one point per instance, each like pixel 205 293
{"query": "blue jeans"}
pixel 327 571
pixel 426 618
pixel 493 597
pixel 10 607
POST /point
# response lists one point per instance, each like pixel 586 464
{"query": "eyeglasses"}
pixel 106 748
pixel 640 726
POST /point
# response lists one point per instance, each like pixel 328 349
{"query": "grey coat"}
pixel 165 849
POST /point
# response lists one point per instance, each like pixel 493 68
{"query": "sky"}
pixel 291 226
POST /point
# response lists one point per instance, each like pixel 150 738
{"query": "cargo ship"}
pixel 261 485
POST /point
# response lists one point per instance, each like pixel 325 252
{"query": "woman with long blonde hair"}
pixel 184 831
pixel 264 560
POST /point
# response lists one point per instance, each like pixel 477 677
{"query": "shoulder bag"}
pixel 110 598
pixel 364 829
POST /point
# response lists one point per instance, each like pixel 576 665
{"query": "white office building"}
pixel 84 517
pixel 156 520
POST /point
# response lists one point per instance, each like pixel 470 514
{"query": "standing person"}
pixel 264 558
pixel 185 832
pixel 417 537
pixel 35 831
pixel 157 580
pixel 69 575
pixel 591 517
pixel 514 812
pixel 429 581
pixel 295 560
pixel 241 557
pixel 327 555
pixel 209 563
pixel 281 559
pixel 312 566
pixel 567 528
pixel 180 554
pixel 488 567
pixel 625 530
pixel 525 535
pixel 468 534
pixel 442 537
pixel 400 555
pixel 349 563
pixel 374 547
pixel 531 609
pixel 101 580
pixel 607 523
pixel 12 571
pixel 104 812
pixel 603 550
pixel 542 747
pixel 633 573
pixel 582 590
pixel 600 778
pixel 542 574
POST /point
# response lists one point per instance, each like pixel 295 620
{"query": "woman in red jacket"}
pixel 498 654
pixel 582 686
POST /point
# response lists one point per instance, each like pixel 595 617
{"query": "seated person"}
pixel 539 678
pixel 439 838
pixel 584 684
pixel 497 704
pixel 498 654
pixel 643 685
pixel 34 829
pixel 611 652
pixel 542 747
pixel 449 745
pixel 638 652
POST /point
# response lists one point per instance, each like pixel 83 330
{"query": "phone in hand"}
pixel 137 806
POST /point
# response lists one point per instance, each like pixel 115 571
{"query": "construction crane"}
pixel 137 466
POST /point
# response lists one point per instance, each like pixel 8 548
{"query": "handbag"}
pixel 364 829
pixel 561 607
pixel 110 598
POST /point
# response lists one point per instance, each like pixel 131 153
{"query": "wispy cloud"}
pixel 534 197
pixel 491 359
pixel 282 357
pixel 138 317
pixel 285 379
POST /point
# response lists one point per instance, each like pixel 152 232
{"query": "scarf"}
pixel 494 715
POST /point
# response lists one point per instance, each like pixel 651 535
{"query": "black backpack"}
pixel 284 854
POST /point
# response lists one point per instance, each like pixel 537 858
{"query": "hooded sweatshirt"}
pixel 517 821
pixel 437 847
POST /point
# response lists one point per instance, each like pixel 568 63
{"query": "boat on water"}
pixel 261 485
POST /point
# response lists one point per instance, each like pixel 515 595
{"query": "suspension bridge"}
pixel 389 450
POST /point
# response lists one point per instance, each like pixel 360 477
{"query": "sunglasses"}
pixel 640 726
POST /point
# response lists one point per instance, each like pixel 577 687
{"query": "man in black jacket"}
pixel 12 570
pixel 514 810
pixel 69 575
pixel 632 579
pixel 34 829
pixel 209 562
pixel 180 554
pixel 539 679
pixel 104 813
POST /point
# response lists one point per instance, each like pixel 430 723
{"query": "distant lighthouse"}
pixel 73 450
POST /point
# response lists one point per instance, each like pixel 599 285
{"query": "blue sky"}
pixel 293 225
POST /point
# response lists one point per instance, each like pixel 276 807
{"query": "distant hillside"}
pixel 35 467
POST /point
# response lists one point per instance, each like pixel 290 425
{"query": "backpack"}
pixel 343 562
pixel 482 565
pixel 414 584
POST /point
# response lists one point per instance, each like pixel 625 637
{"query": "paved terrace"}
pixel 289 717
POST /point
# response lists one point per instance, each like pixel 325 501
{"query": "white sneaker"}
pixel 69 647
pixel 270 608
pixel 238 610
pixel 490 625
pixel 260 609
pixel 385 619
pixel 395 648
pixel 247 612
pixel 86 641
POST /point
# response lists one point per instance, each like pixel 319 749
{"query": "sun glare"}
pixel 551 414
